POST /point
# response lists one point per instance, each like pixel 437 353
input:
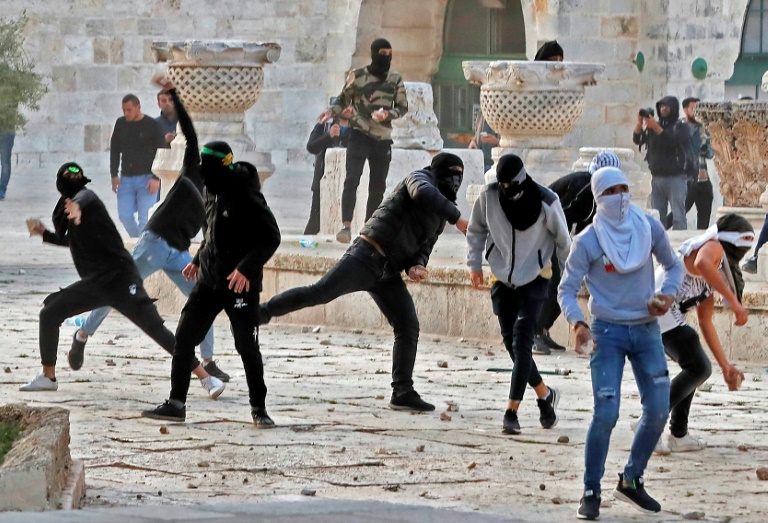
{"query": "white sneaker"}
pixel 661 448
pixel 213 385
pixel 41 382
pixel 685 444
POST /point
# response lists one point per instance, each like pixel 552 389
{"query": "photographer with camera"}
pixel 666 142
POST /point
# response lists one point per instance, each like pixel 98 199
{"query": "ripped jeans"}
pixel 641 344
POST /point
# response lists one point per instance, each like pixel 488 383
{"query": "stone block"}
pixel 584 26
pixel 100 27
pixel 72 26
pixel 620 114
pixel 97 78
pixel 78 50
pixel 96 138
pixel 310 49
pixel 402 14
pixel 63 78
pixel 151 26
pixel 619 27
pixel 125 26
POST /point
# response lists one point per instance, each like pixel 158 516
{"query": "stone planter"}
pixel 218 81
pixel 533 105
pixel 418 128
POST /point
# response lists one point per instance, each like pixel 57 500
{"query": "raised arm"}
pixel 192 154
pixel 424 193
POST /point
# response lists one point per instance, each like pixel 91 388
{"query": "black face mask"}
pixel 513 192
pixel 380 63
pixel 223 180
pixel 449 186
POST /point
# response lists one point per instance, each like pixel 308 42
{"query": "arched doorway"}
pixel 753 55
pixel 473 30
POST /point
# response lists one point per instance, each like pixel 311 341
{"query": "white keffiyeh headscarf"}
pixel 622 228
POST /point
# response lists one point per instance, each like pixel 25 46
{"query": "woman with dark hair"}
pixel 711 262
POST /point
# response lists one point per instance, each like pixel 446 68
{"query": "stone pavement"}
pixel 328 393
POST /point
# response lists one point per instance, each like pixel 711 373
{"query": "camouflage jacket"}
pixel 368 93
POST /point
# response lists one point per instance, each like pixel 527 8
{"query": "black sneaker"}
pixel 166 412
pixel 589 506
pixel 261 419
pixel 548 415
pixel 635 494
pixel 262 314
pixel 750 265
pixel 552 344
pixel 410 401
pixel 212 369
pixel 76 353
pixel 510 424
pixel 540 346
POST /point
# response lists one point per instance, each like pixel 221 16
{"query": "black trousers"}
pixel 682 344
pixel 550 309
pixel 517 310
pixel 197 316
pixel 124 293
pixel 702 196
pixel 378 153
pixel 362 268
pixel 313 224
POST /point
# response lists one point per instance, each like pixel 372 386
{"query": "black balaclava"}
pixel 734 223
pixel 70 179
pixel 216 165
pixel 521 202
pixel 548 50
pixel 380 63
pixel 448 178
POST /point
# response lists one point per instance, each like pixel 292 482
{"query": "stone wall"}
pixel 95 51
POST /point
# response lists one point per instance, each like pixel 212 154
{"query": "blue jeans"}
pixel 6 146
pixel 641 344
pixel 133 198
pixel 152 254
pixel 672 190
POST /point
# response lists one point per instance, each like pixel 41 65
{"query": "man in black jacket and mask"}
pixel 399 236
pixel 108 277
pixel 666 141
pixel 241 235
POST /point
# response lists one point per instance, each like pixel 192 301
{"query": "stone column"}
pixel 739 135
pixel 218 81
pixel 533 105
pixel 418 128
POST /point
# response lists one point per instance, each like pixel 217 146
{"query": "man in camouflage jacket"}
pixel 378 97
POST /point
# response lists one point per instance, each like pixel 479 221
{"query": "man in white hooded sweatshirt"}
pixel 613 255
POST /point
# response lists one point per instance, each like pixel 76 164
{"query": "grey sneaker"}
pixel 344 235
pixel 540 346
pixel 40 383
pixel 750 265
pixel 213 385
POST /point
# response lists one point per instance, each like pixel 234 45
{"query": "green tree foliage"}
pixel 20 86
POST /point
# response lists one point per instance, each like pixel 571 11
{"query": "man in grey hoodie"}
pixel 613 256
pixel 518 224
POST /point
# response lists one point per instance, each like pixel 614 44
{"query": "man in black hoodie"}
pixel 108 277
pixel 666 141
pixel 399 236
pixel 241 235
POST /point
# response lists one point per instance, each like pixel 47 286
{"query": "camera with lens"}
pixel 647 112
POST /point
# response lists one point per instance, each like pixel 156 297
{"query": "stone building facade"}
pixel 95 51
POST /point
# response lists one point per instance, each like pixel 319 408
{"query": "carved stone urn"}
pixel 533 105
pixel 739 135
pixel 418 128
pixel 218 81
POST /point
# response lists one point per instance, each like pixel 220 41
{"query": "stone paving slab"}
pixel 328 393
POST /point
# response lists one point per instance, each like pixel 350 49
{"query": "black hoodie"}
pixel 666 155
